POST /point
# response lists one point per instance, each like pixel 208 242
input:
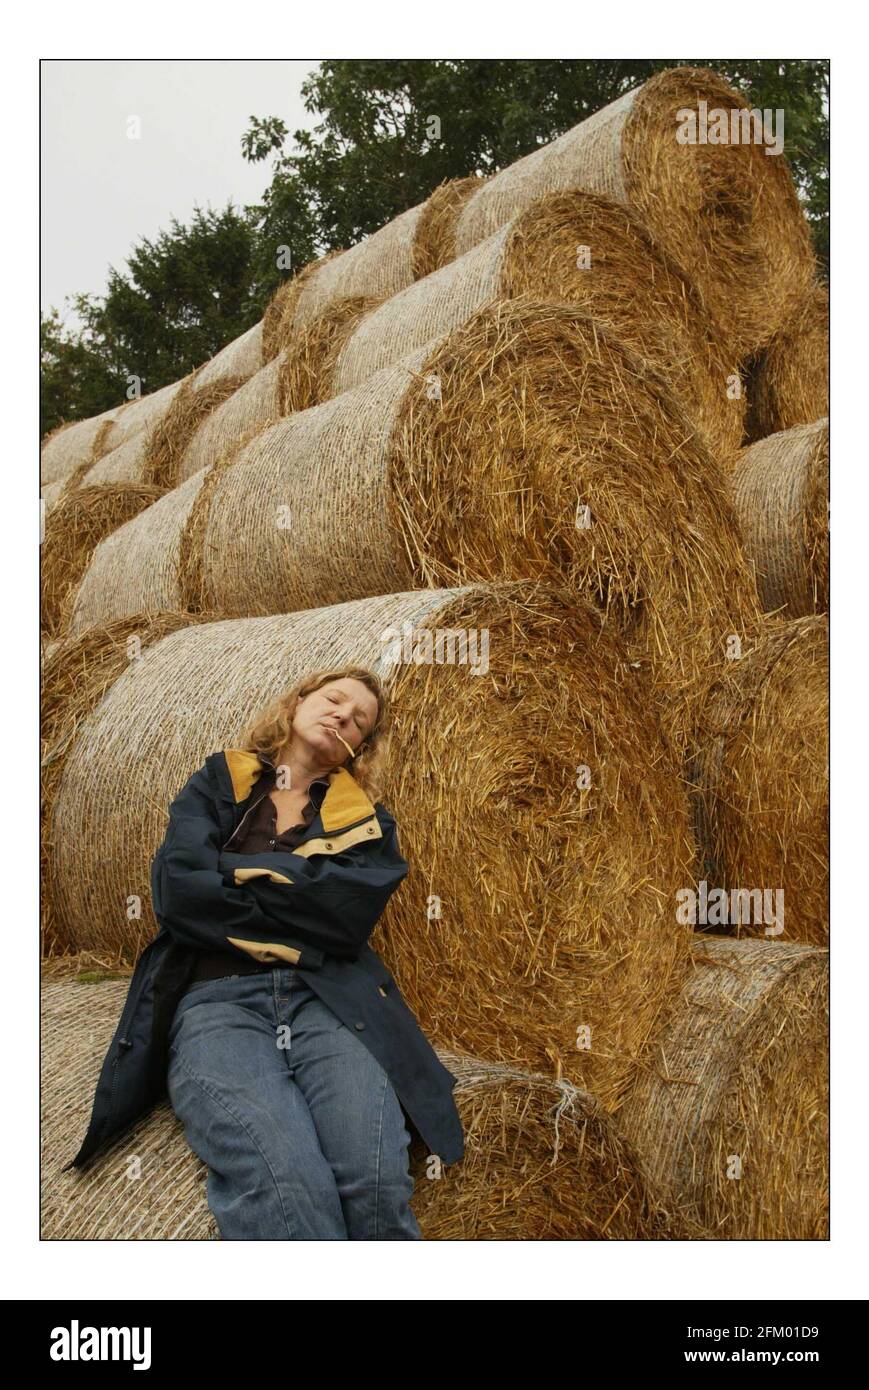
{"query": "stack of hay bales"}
pixel 142 444
pixel 495 474
pixel 573 247
pixel 728 214
pixel 109 475
pixel 498 437
pixel 79 522
pixel 412 245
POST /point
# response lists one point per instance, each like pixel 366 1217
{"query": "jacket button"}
pixel 360 1026
pixel 371 830
pixel 328 844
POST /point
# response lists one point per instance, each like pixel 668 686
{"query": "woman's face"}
pixel 344 706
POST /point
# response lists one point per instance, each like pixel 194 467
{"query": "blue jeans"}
pixel 299 1125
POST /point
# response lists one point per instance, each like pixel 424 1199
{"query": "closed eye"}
pixel 335 701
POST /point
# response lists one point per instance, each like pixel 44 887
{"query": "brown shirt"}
pixel 257 832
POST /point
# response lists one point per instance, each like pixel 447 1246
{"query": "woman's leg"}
pixel 230 1083
pixel 358 1119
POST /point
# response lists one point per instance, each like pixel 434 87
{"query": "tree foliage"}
pixel 182 296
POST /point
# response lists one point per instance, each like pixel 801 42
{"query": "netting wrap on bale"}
pixel 141 414
pixel 279 318
pixel 556 926
pixel 780 488
pixel 762 779
pixel 238 360
pixel 727 212
pixel 378 266
pixel 730 1115
pixel 470 461
pixel 137 569
pixel 310 360
pixel 410 246
pixel 123 464
pixel 254 405
pixel 542 1160
pixel 75 443
pixel 153 455
pixel 77 525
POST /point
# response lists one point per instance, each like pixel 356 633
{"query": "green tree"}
pixel 181 298
pixel 75 381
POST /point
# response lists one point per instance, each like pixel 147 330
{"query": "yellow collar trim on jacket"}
pixel 344 803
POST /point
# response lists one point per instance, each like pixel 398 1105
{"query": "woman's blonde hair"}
pixel 271 729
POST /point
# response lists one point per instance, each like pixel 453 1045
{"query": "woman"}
pixel 290 1056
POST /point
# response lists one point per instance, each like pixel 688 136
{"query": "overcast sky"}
pixel 102 190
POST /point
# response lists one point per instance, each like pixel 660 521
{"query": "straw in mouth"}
pixel 341 740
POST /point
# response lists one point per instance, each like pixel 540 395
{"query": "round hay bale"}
pixel 556 932
pixel 74 443
pixel 124 464
pixel 435 242
pixel 728 213
pixel 542 1160
pixel 81 475
pixel 791 384
pixel 417 241
pixel 731 1115
pixel 781 488
pixel 76 673
pixel 252 406
pixel 79 522
pixel 141 414
pixel 378 266
pixel 762 782
pixel 238 360
pixel 309 362
pixel 153 455
pixel 577 247
pixel 167 442
pixel 280 314
pixel 136 568
pixel 387 487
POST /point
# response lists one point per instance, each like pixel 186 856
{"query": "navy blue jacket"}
pixel 314 908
